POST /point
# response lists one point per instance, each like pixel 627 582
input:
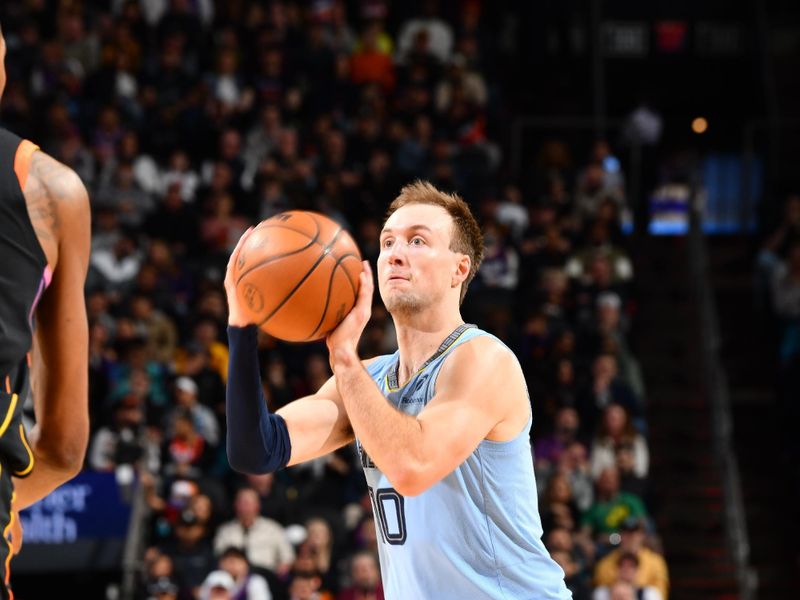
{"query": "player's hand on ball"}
pixel 236 316
pixel 343 341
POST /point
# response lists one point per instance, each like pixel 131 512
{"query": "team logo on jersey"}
pixel 416 395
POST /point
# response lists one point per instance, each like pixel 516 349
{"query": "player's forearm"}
pixel 392 439
pixel 257 441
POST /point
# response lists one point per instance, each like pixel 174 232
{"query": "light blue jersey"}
pixel 474 535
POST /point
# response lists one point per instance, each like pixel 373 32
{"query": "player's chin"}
pixel 397 301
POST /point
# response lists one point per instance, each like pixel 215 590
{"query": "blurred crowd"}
pixel 777 289
pixel 189 120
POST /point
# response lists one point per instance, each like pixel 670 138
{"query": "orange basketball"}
pixel 297 275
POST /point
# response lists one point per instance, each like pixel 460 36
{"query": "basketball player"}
pixel 442 425
pixel 44 245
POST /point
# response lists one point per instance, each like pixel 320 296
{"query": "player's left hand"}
pixel 343 341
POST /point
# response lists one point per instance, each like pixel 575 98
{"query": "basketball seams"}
pixel 330 289
pixel 266 261
pixel 281 225
pixel 340 260
pixel 323 254
pixel 315 239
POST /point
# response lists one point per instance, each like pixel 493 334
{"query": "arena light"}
pixel 699 125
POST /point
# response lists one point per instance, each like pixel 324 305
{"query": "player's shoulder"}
pixel 484 348
pixel 61 183
pixel 484 356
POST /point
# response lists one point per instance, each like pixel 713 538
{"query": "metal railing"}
pixel 132 563
pixel 722 423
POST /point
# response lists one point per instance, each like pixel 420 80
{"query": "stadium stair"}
pixel 750 362
pixel 686 485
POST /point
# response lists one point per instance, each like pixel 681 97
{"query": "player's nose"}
pixel 396 254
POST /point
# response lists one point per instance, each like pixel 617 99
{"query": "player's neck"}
pixel 419 336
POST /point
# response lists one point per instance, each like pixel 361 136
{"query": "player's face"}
pixel 416 266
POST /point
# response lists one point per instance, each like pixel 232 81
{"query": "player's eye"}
pixel 417 241
pixel 387 243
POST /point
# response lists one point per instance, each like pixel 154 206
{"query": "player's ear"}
pixel 461 271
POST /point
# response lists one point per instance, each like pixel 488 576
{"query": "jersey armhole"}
pixel 22 161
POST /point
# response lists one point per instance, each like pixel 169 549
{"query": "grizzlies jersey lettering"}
pixel 474 535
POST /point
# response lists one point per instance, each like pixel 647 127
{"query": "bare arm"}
pixel 318 424
pixel 480 393
pixel 59 366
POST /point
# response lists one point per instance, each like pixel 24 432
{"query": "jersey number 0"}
pixel 388 506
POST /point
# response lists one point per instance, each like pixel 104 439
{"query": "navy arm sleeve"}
pixel 258 442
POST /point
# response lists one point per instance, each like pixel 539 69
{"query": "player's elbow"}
pixel 409 481
pixel 248 464
pixel 241 464
pixel 67 458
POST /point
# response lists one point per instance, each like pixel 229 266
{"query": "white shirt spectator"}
pixel 604 456
pixel 440 37
pixel 786 293
pixel 648 593
pixel 264 542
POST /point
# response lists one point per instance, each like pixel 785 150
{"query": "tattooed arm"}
pixel 59 209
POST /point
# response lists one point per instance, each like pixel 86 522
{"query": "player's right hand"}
pixel 236 317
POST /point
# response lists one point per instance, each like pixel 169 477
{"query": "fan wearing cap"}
pixel 652 569
pixel 162 588
pixel 205 421
pixel 219 585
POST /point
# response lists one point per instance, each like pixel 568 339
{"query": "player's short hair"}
pixel 466 236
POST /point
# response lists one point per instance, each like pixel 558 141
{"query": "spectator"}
pixel 606 388
pixel 500 267
pixel 629 481
pixel 180 177
pixel 610 509
pixel 439 33
pixel 611 326
pixel 189 551
pixel 263 540
pixel 174 222
pixel 777 245
pixel 115 269
pixel 369 64
pixel 593 188
pixel 574 464
pixel 163 588
pixel 120 443
pixel 628 566
pixel 548 449
pixel 188 453
pixel 219 585
pixel 652 570
pixel 248 585
pixel 365 579
pixel 319 546
pixel 558 508
pixel 305 585
pixel 201 417
pixel 616 430
pixel 160 332
pixel 786 302
pixel 131 203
